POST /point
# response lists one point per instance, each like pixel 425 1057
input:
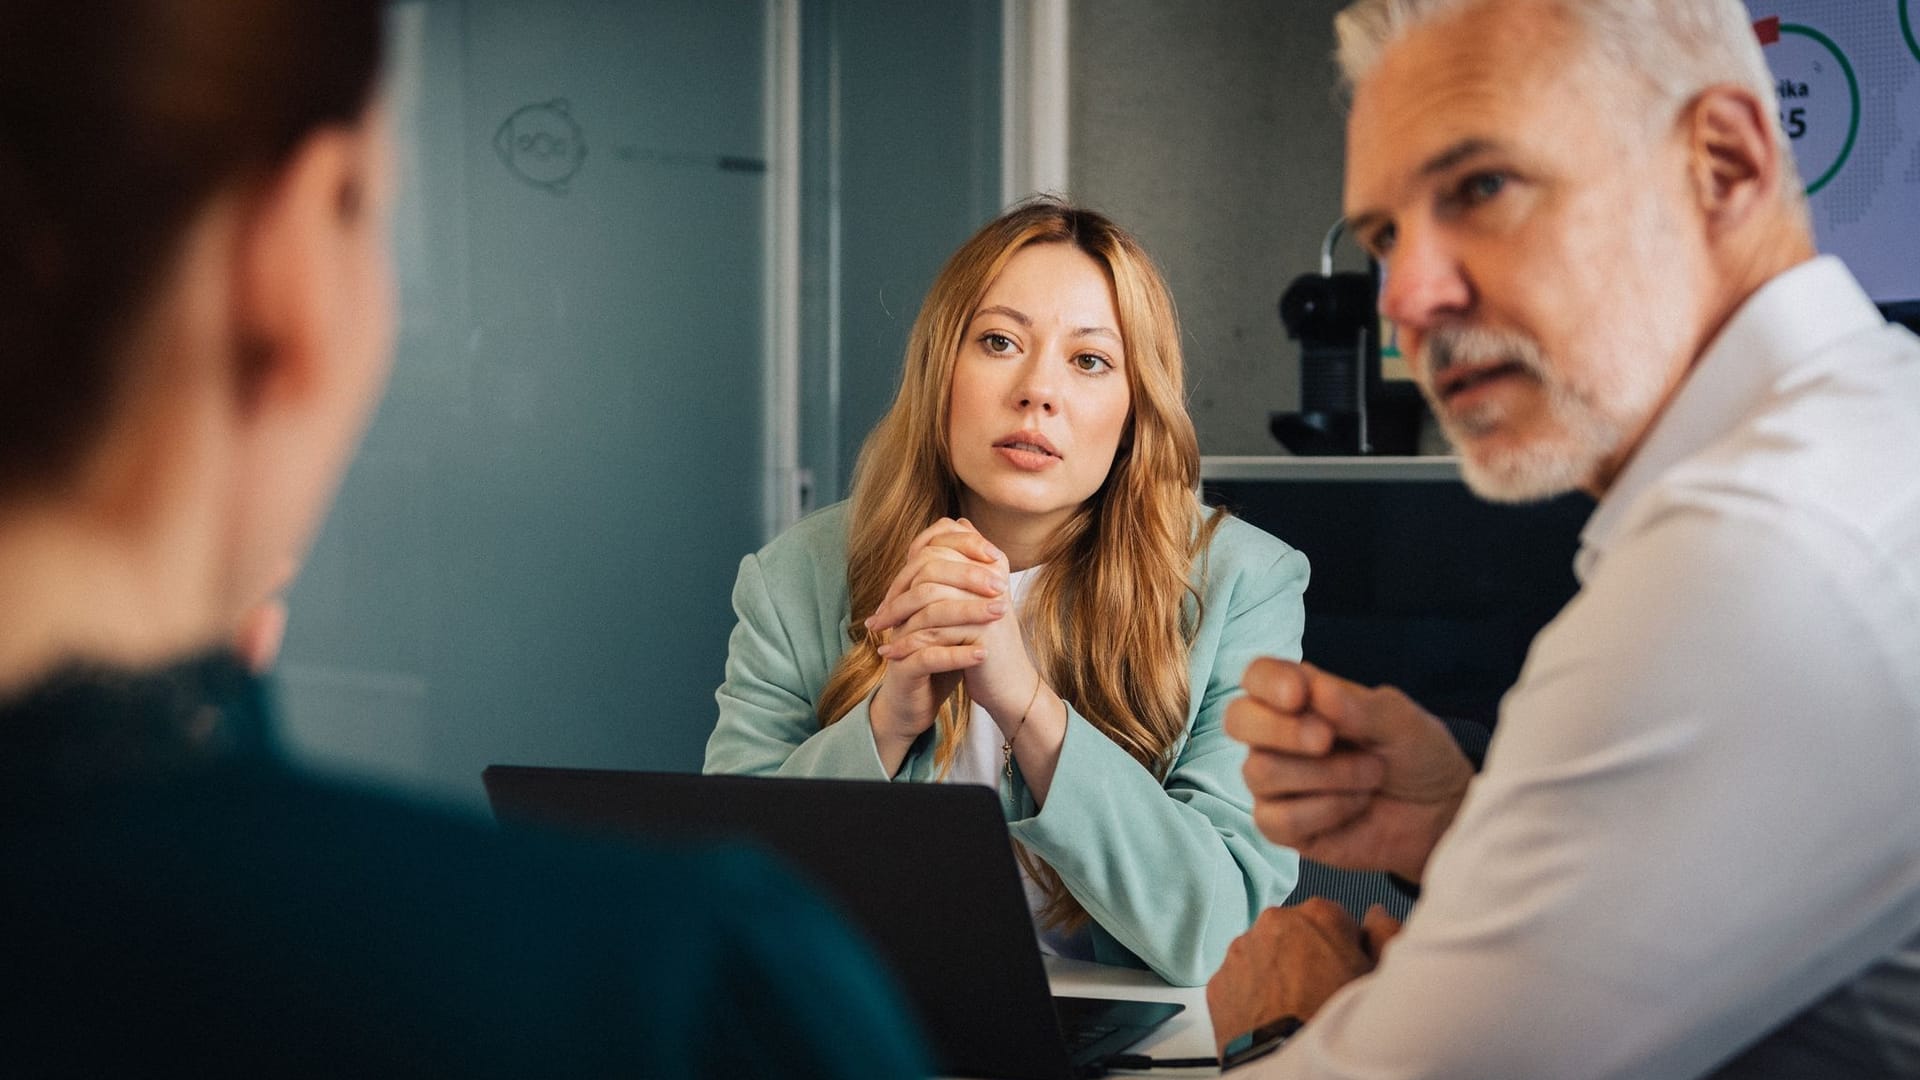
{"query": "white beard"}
pixel 1583 426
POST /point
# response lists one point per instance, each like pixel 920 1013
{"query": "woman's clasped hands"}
pixel 947 616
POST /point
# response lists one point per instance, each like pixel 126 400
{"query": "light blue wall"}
pixel 531 558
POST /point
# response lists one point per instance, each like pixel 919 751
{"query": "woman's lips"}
pixel 1027 449
pixel 1023 455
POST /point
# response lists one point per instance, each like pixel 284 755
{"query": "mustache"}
pixel 1476 346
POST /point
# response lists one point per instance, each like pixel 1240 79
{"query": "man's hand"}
pixel 1291 962
pixel 1349 776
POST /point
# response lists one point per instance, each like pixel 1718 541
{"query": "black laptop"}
pixel 927 870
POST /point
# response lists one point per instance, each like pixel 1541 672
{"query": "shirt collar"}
pixel 1785 323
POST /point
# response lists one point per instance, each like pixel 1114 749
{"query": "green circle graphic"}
pixel 1853 88
pixel 1906 27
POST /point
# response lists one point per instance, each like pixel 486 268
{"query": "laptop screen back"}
pixel 926 870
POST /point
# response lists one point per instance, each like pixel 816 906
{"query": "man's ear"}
pixel 1735 157
pixel 293 247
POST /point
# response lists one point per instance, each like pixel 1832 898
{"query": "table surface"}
pixel 1190 1034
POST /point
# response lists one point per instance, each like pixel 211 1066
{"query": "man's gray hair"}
pixel 1672 49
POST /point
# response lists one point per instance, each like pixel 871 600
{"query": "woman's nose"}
pixel 1036 389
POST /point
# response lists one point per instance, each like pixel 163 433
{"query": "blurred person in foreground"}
pixel 196 310
pixel 1695 846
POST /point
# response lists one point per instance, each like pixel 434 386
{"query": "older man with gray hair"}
pixel 1695 846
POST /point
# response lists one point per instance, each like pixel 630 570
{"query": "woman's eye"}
pixel 997 343
pixel 1091 362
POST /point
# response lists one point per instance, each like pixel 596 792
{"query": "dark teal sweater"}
pixel 174 898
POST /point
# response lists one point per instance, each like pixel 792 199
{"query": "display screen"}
pixel 1848 76
pixel 1847 73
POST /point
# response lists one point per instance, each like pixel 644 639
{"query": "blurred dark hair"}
pixel 119 119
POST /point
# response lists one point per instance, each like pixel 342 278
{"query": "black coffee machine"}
pixel 1346 408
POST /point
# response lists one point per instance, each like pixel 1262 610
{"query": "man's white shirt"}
pixel 1700 813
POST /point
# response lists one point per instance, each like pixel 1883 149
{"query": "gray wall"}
pixel 1213 131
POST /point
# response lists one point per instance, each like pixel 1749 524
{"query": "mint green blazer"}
pixel 1171 871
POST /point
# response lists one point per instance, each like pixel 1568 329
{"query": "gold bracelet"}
pixel 1006 748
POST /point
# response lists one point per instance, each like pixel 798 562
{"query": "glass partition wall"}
pixel 648 309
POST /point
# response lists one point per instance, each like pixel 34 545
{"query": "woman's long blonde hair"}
pixel 1107 621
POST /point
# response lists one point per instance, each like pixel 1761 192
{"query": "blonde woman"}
pixel 1024 591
